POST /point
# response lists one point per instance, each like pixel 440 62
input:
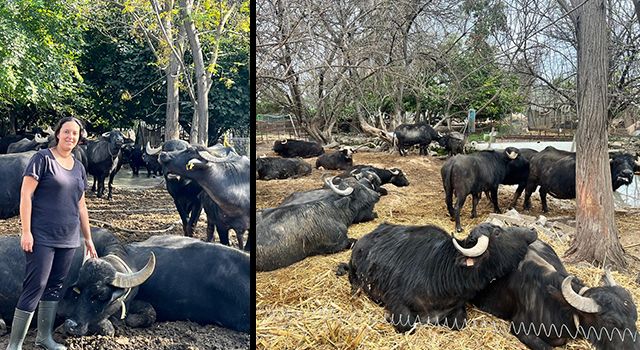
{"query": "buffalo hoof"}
pixel 342 269
pixel 104 328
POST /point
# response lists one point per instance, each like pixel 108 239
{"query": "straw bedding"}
pixel 306 306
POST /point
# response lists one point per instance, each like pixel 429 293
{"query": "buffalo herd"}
pixel 422 274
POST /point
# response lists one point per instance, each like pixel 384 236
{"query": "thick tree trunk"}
pixel 171 129
pixel 201 114
pixel 596 237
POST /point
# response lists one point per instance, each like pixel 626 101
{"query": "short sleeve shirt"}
pixel 55 215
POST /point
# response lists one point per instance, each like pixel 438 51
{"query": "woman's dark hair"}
pixel 59 126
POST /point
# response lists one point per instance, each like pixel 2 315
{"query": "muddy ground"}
pixel 134 215
pixel 306 306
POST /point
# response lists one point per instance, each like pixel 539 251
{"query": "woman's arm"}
pixel 86 229
pixel 29 185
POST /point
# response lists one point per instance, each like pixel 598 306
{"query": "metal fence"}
pixel 276 127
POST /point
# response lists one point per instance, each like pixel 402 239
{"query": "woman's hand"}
pixel 90 248
pixel 26 242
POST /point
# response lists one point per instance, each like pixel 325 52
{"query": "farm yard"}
pixel 306 306
pixel 135 214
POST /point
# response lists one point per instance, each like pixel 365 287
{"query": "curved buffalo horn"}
pixel 354 171
pixel 579 302
pixel 608 279
pixel 512 155
pixel 395 171
pixel 130 280
pixel 344 192
pixel 49 130
pixel 39 139
pixel 283 141
pixel 106 134
pixel 150 150
pixel 475 251
pixel 637 161
pixel 210 157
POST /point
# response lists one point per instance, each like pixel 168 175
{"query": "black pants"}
pixel 46 270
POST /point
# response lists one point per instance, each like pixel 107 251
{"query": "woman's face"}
pixel 69 135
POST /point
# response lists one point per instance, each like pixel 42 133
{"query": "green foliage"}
pixel 39 46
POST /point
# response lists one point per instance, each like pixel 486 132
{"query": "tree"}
pixel 596 236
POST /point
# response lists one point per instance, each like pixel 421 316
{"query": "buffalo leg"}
pixel 223 234
pixel 449 201
pixel 456 320
pixel 516 195
pixel 111 183
pixel 193 218
pixel 211 227
pixel 140 314
pixel 459 204
pixel 531 187
pixel 543 199
pixel 93 187
pixel 474 201
pixel 494 199
pixel 100 190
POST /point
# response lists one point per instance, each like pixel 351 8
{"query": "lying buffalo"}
pixel 341 159
pixel 270 168
pixel 290 233
pixel 547 306
pixel 420 274
pixel 289 148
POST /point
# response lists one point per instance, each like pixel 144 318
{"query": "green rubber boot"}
pixel 46 317
pixel 19 328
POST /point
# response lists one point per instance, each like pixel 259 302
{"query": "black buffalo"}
pixel 547 306
pixel 342 159
pixel 453 143
pixel 290 148
pixel 189 290
pixel 367 179
pixel 103 160
pixel 184 191
pixel 132 155
pixel 225 179
pixel 216 220
pixel 152 164
pixel 393 176
pixel 555 172
pixel 289 233
pixel 421 134
pixel 270 168
pixel 518 173
pixel 38 142
pixel 420 274
pixel 11 168
pixel 473 174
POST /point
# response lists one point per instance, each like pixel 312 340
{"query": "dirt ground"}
pixel 306 306
pixel 144 213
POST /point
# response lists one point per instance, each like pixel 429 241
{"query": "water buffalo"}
pixel 555 172
pixel 420 274
pixel 225 179
pixel 453 143
pixel 473 174
pixel 341 159
pixel 421 134
pixel 289 148
pixel 289 233
pixel 26 144
pixel 270 168
pixel 11 168
pixel 102 155
pixel 547 306
pixel 393 176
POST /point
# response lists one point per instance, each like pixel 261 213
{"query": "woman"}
pixel 52 212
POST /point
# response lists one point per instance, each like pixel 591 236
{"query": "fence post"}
pixel 294 126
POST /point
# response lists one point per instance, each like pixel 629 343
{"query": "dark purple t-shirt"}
pixel 55 216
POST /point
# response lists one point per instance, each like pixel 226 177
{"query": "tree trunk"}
pixel 596 238
pixel 200 123
pixel 172 129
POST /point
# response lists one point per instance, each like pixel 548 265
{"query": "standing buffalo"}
pixel 225 179
pixel 415 134
pixel 290 148
pixel 555 172
pixel 11 168
pixel 547 306
pixel 473 174
pixel 103 158
pixel 342 159
pixel 420 274
pixel 290 233
pixel 453 143
pixel 270 168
